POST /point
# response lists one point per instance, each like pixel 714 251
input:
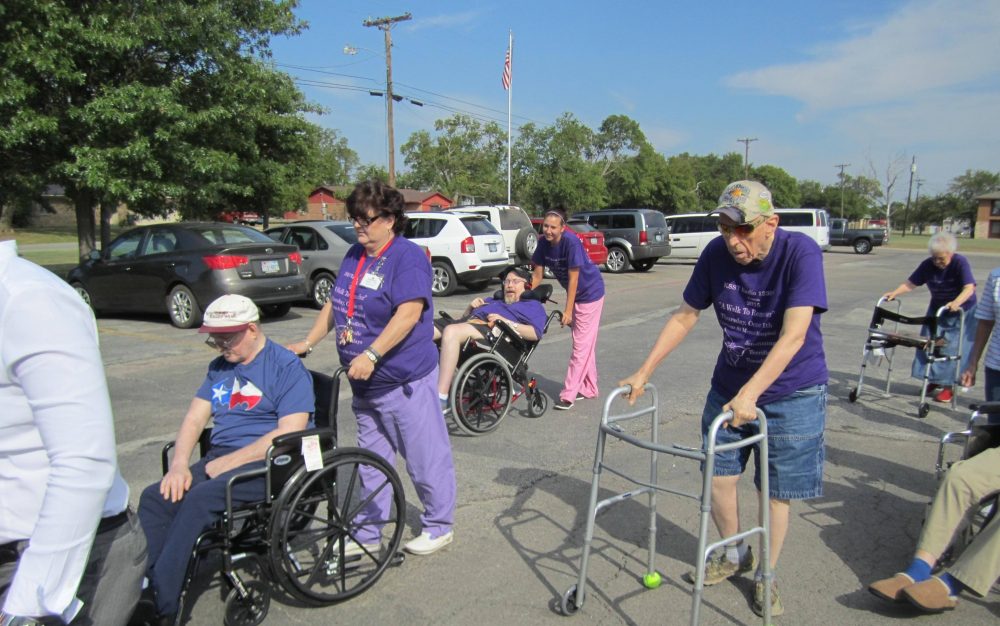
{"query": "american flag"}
pixel 506 71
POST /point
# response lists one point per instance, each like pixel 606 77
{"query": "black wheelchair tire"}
pixel 481 394
pixel 249 611
pixel 538 403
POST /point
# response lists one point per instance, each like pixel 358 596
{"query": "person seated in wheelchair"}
pixel 254 391
pixel 524 315
pixel 962 490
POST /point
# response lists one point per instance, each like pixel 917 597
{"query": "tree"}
pixel 966 188
pixel 783 187
pixel 889 175
pixel 334 162
pixel 553 168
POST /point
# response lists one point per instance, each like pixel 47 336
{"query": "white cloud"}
pixel 923 47
pixel 446 21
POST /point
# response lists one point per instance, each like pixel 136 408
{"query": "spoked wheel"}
pixel 323 522
pixel 538 403
pixel 923 410
pixel 568 605
pixel 481 394
pixel 250 610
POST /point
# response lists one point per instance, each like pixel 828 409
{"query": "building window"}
pixel 994 228
pixel 995 208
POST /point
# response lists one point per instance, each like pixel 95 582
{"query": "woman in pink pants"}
pixel 584 286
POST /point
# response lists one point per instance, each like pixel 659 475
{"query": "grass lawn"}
pixel 919 242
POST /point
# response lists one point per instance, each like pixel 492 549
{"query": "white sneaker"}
pixel 352 549
pixel 424 545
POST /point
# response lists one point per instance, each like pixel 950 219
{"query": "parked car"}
pixel 633 236
pixel 464 248
pixel 520 239
pixel 861 239
pixel 251 218
pixel 690 233
pixel 323 245
pixel 591 238
pixel 813 222
pixel 181 268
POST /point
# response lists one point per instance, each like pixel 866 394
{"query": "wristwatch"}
pixel 372 356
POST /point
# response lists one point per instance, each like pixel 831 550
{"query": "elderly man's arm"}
pixel 258 449
pixel 177 480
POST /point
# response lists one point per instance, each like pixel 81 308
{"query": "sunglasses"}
pixel 224 343
pixel 743 230
pixel 514 281
pixel 364 221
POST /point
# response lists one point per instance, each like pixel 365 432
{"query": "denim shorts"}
pixel 795 427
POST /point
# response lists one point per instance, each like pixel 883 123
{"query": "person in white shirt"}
pixel 71 551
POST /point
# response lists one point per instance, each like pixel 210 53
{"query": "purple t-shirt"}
pixel 248 399
pixel 401 274
pixel 530 312
pixel 566 255
pixel 945 284
pixel 750 302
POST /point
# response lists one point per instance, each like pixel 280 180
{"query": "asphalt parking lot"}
pixel 523 490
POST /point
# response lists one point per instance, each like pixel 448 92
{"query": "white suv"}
pixel 464 249
pixel 519 236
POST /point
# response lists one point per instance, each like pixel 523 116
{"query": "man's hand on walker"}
pixel 743 411
pixel 637 382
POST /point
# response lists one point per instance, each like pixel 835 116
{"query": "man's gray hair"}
pixel 942 241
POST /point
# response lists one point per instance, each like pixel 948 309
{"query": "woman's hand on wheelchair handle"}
pixel 361 367
pixel 567 318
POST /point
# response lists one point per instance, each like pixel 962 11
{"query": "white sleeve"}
pixel 50 350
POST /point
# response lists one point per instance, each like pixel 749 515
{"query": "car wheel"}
pixel 84 294
pixel 644 265
pixel 617 260
pixel 862 246
pixel 443 279
pixel 526 242
pixel 183 308
pixel 276 310
pixel 321 287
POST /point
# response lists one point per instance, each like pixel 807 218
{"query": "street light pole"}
pixel 746 155
pixel 913 170
pixel 842 166
pixel 385 25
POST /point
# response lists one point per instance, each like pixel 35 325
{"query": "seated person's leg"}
pixel 451 344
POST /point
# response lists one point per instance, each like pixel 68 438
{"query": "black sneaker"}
pixel 564 405
pixel 580 396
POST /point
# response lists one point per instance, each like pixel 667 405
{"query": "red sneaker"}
pixel 944 395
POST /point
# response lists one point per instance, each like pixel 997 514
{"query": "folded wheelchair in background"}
pixel 884 337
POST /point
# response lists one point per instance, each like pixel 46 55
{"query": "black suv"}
pixel 633 236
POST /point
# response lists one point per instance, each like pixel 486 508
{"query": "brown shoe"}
pixel 931 595
pixel 891 588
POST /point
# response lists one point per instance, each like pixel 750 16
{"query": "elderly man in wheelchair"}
pixel 485 351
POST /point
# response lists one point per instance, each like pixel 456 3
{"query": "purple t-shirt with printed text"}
pixel 529 312
pixel 750 302
pixel 944 284
pixel 248 399
pixel 400 274
pixel 566 255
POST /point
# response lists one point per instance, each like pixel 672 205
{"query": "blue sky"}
pixel 817 83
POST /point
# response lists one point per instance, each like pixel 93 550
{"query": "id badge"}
pixel 371 281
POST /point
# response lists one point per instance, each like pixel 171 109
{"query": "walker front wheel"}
pixel 568 606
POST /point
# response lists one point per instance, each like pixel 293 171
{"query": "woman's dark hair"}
pixel 558 212
pixel 380 197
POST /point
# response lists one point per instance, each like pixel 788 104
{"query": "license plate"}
pixel 659 237
pixel 593 241
pixel 492 247
pixel 270 267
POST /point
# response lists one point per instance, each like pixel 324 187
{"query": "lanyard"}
pixel 357 275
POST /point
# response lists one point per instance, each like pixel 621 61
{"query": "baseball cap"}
pixel 745 201
pixel 520 272
pixel 229 314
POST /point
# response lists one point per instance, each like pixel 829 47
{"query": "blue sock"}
pixel 954 586
pixel 919 570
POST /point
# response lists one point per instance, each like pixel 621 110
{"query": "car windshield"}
pixel 479 226
pixel 345 232
pixel 230 234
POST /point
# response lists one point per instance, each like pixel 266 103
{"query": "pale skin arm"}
pixel 320 329
pixel 402 322
pixel 574 278
pixel 673 333
pixel 898 291
pixel 537 272
pixel 795 324
pixel 983 331
pixel 967 290
pixel 527 331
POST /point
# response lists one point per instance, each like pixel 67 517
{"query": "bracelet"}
pixel 373 354
pixel 309 346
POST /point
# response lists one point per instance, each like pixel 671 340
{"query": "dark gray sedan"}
pixel 181 268
pixel 323 245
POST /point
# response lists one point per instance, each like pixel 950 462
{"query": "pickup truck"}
pixel 861 239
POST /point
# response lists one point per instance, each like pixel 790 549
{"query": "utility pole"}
pixel 746 155
pixel 385 25
pixel 916 200
pixel 842 166
pixel 913 170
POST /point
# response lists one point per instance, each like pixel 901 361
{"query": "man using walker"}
pixel 768 291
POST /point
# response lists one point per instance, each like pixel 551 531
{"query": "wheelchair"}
pixel 884 336
pixel 295 538
pixel 981 433
pixel 493 373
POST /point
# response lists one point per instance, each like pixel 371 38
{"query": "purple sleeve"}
pixel 412 279
pixel 533 313
pixel 919 275
pixel 807 285
pixel 576 256
pixel 698 292
pixel 966 267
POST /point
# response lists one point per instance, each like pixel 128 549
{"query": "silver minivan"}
pixel 690 233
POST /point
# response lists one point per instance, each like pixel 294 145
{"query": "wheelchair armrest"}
pixel 986 407
pixel 242 476
pixel 445 315
pixel 324 433
pixel 204 443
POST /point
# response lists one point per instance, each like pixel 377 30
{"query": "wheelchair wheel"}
pixel 248 611
pixel 481 394
pixel 319 513
pixel 538 403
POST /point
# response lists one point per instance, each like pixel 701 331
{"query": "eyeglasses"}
pixel 224 342
pixel 365 221
pixel 743 230
pixel 514 281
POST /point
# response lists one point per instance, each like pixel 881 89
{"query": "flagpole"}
pixel 510 49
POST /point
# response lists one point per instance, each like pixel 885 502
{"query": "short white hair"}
pixel 942 241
